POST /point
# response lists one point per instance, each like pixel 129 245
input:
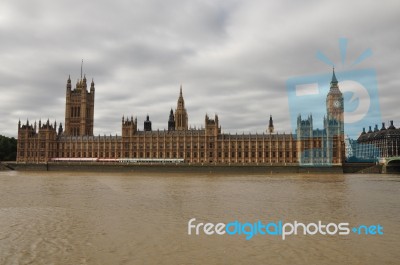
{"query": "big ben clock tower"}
pixel 334 102
pixel 334 122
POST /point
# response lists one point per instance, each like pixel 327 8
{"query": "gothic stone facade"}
pixel 209 145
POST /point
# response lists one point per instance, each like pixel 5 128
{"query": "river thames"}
pixel 120 218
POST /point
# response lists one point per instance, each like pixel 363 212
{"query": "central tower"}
pixel 181 117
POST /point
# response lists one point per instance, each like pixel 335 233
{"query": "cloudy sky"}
pixel 232 58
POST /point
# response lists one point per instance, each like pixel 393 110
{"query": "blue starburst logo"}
pixel 307 94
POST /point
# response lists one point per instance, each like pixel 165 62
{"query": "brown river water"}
pixel 121 218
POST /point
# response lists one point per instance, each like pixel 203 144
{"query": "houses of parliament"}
pixel 44 142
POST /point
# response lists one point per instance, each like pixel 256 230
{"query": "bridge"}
pixel 389 160
pixel 390 164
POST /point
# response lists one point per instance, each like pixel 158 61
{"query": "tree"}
pixel 8 148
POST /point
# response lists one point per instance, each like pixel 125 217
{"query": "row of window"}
pixel 160 146
pixel 35 145
pixel 167 154
pixel 219 145
pixel 76 131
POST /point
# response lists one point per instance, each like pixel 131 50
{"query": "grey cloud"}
pixel 232 57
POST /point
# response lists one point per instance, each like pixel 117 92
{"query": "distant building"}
pixel 379 143
pixel 350 145
pixel 210 145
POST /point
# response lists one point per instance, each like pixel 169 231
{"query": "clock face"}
pixel 336 103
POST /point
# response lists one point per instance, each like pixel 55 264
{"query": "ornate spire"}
pixel 181 117
pixel 181 101
pixel 334 80
pixel 270 125
pixel 92 86
pixel 334 88
pixel 69 82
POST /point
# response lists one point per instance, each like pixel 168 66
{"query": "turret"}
pixel 60 129
pixel 304 127
pixel 147 124
pixel 92 86
pixel 69 83
pixel 171 121
pixel 391 127
pixel 129 126
pixel 212 126
pixel 270 125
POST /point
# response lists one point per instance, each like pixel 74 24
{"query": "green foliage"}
pixel 8 148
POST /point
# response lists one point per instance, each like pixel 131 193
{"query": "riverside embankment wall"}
pixel 364 168
pixel 117 167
